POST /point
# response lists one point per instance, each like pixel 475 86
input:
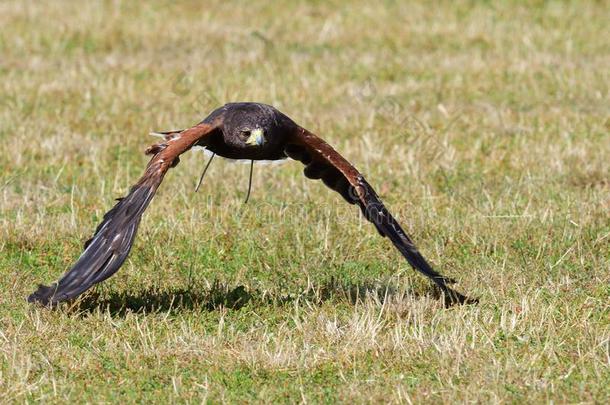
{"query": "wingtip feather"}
pixel 453 297
pixel 43 295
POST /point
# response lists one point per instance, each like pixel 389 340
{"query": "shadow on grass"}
pixel 220 295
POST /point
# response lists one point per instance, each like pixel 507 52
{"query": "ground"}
pixel 483 126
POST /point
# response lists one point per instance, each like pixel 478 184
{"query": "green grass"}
pixel 483 125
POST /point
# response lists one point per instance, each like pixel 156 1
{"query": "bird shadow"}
pixel 218 295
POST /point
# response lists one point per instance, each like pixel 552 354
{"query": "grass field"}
pixel 484 127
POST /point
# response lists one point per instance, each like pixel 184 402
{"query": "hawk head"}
pixel 252 126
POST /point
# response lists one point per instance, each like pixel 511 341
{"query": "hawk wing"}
pixel 323 162
pixel 106 251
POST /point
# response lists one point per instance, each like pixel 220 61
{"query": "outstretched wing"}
pixel 106 251
pixel 323 162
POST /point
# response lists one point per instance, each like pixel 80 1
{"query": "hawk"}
pixel 250 131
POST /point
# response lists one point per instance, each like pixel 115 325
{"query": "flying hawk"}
pixel 251 131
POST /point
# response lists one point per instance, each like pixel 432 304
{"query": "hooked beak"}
pixel 256 138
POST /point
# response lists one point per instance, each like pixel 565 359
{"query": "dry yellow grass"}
pixel 484 126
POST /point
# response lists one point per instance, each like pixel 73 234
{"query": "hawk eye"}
pixel 245 133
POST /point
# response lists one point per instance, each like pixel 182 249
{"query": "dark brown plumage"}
pixel 250 131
